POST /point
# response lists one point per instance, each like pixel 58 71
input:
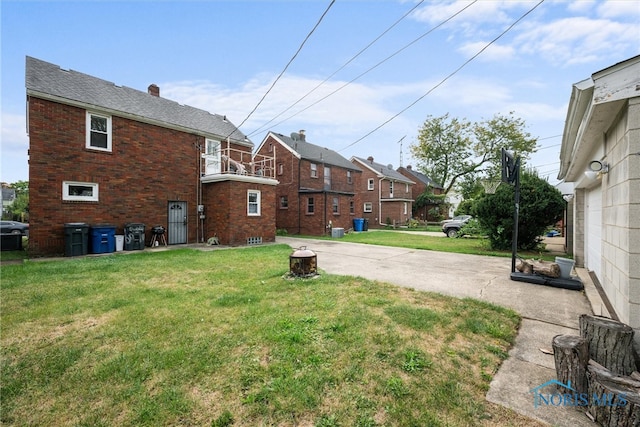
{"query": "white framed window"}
pixel 335 206
pixel 280 168
pixel 314 170
pixel 405 210
pixel 311 206
pixel 253 202
pixel 370 184
pixel 80 191
pixel 352 207
pixel 212 157
pixel 349 178
pixel 98 132
pixel 368 207
pixel 284 202
pixel 406 188
pixel 327 178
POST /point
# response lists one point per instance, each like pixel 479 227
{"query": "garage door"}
pixel 593 232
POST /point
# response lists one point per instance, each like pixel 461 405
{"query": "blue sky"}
pixel 222 56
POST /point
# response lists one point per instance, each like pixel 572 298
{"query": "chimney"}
pixel 153 90
pixel 409 167
pixel 301 133
pixel 370 158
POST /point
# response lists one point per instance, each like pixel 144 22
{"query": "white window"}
pixel 370 184
pixel 335 206
pixel 368 207
pixel 80 191
pixel 327 178
pixel 349 179
pixel 405 208
pixel 212 157
pixel 406 188
pixel 314 170
pixel 253 203
pixel 98 132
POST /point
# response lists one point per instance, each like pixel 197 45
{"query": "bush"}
pixel 472 228
pixel 541 204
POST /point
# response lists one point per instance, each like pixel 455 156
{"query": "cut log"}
pixel 610 343
pixel 571 355
pixel 614 401
pixel 545 268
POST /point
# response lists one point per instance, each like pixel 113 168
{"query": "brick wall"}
pixel 147 167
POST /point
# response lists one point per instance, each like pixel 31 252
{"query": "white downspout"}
pixel 380 201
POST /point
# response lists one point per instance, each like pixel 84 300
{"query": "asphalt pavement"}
pixel 546 311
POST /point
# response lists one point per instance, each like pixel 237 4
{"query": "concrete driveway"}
pixel 546 311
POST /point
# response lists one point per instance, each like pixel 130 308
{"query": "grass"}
pixel 221 338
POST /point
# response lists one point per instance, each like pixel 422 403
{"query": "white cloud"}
pixel 493 53
pixel 620 9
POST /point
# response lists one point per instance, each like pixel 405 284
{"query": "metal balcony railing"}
pixel 230 161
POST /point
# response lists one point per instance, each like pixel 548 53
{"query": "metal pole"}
pixel 516 215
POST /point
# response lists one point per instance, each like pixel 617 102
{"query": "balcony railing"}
pixel 237 162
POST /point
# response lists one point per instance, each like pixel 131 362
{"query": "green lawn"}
pixel 220 338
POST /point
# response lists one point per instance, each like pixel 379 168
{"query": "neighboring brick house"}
pixel 386 194
pixel 317 188
pixel 106 154
pixel 424 184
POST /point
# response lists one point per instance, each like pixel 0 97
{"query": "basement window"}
pixel 80 191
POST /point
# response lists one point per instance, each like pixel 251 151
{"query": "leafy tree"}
pixel 541 205
pixel 19 209
pixel 449 149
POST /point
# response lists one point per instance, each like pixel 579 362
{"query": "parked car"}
pixel 452 226
pixel 14 227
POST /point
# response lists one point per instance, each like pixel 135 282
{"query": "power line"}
pixel 447 77
pixel 339 69
pixel 286 66
pixel 378 64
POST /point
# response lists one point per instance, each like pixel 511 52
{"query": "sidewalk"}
pixel 545 311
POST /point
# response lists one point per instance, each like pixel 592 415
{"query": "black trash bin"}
pixel 76 239
pixel 365 227
pixel 134 236
pixel 11 242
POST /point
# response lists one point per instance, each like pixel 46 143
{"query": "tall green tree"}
pixel 449 149
pixel 19 209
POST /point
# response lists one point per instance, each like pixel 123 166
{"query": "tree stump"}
pixel 571 355
pixel 610 343
pixel 614 401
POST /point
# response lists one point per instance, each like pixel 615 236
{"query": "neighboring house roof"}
pixel 381 170
pixel 314 153
pixel 49 81
pixel 423 178
pixel 8 196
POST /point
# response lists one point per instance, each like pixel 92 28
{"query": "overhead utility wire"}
pixel 339 69
pixel 378 64
pixel 447 77
pixel 287 66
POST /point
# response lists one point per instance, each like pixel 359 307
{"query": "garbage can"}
pixel 133 236
pixel 119 242
pixel 358 224
pixel 11 242
pixel 365 227
pixel 76 239
pixel 103 239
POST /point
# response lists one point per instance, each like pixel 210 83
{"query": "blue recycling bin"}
pixel 358 224
pixel 103 239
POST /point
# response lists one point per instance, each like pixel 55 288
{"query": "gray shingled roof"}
pixel 49 79
pixel 423 178
pixel 384 170
pixel 316 153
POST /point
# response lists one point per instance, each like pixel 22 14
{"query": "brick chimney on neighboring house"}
pixel 409 167
pixel 153 90
pixel 301 133
pixel 370 158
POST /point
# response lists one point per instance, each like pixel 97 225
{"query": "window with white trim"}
pixel 370 184
pixel 80 191
pixel 405 210
pixel 335 206
pixel 98 132
pixel 314 170
pixel 368 207
pixel 352 207
pixel 284 202
pixel 253 203
pixel 349 178
pixel 311 207
pixel 406 187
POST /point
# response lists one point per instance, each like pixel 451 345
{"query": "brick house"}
pixel 423 184
pixel 317 188
pixel 106 154
pixel 386 194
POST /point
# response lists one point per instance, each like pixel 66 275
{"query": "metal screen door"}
pixel 177 231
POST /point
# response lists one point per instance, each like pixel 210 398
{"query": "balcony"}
pixel 237 165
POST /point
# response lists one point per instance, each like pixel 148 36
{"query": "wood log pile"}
pixel 545 268
pixel 600 367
